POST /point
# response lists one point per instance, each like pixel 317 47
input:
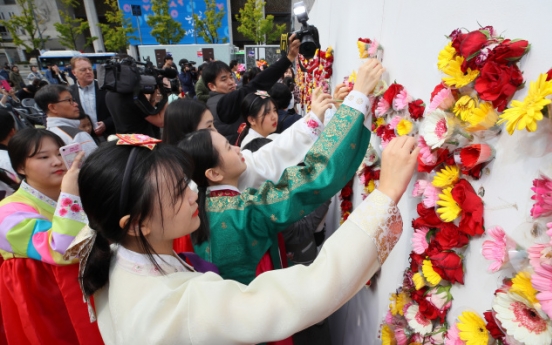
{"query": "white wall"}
pixel 412 33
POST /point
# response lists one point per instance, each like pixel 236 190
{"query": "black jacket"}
pixel 101 107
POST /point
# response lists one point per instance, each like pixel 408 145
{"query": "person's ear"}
pixel 135 229
pixel 252 120
pixel 212 87
pixel 214 175
pixel 52 107
pixel 21 171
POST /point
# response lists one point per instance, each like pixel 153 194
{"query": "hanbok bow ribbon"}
pixel 262 94
pixel 137 140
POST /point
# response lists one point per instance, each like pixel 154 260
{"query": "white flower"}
pixel 417 321
pixel 436 128
pixel 522 320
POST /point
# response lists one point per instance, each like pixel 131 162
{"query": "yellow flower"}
pixel 445 56
pixel 472 329
pixel 431 276
pixel 418 280
pixel 404 127
pixel 362 51
pixel 449 209
pixel 352 77
pixel 398 301
pixel 387 336
pixel 464 107
pixel 380 121
pixel 521 284
pixel 457 78
pixel 446 177
pixel 482 117
pixel 370 187
pixel 525 114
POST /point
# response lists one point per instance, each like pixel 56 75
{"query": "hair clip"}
pixel 262 94
pixel 137 140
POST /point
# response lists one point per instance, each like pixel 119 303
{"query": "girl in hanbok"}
pixel 40 297
pixel 261 118
pixel 137 199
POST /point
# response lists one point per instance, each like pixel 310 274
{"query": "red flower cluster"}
pixel 416 109
pixel 346 201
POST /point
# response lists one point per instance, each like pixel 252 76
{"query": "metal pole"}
pixel 92 17
pixel 139 30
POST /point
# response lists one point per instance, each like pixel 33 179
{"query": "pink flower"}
pixel 373 48
pixel 76 208
pixel 419 187
pixel 395 121
pixel 542 281
pixel 453 336
pixel 419 240
pixel 426 156
pixel 442 100
pixel 543 197
pixel 401 100
pixel 66 202
pixel 382 107
pixel 62 212
pixel 496 250
pixel 312 124
pixel 431 195
pixel 400 336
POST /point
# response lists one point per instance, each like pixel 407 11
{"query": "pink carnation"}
pixel 453 336
pixel 419 187
pixel 426 156
pixel 431 195
pixel 496 250
pixel 395 121
pixel 401 100
pixel 542 187
pixel 419 240
pixel 442 100
pixel 382 107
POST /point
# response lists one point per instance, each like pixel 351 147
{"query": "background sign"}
pixel 180 10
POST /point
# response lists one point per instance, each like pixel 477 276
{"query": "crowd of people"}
pixel 199 223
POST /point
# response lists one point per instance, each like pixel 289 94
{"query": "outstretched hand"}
pixel 397 166
pixel 320 103
pixel 368 76
pixel 293 50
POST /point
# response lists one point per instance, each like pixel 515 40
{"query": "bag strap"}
pixel 70 131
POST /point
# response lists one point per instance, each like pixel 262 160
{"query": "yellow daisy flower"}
pixel 472 329
pixel 464 107
pixel 521 284
pixel 352 77
pixel 380 121
pixel 446 177
pixel 525 114
pixel 482 117
pixel 398 301
pixel 418 280
pixel 404 127
pixel 445 56
pixel 457 78
pixel 387 336
pixel 370 187
pixel 362 51
pixel 432 277
pixel 449 209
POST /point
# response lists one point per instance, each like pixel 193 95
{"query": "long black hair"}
pixel 181 118
pixel 199 146
pixel 252 105
pixel 100 186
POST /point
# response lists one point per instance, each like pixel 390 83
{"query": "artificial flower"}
pixel 441 98
pixel 496 250
pixel 492 326
pixel 346 191
pixel 445 56
pixel 437 336
pixel 419 240
pixel 449 209
pixel 436 128
pixel 449 266
pixel 370 186
pixel 471 205
pixel 395 121
pixel 416 109
pixel 392 91
pixel 521 284
pixel 425 307
pixel 509 51
pixel 471 155
pixel 380 121
pixel 526 114
pixel 427 217
pixel 446 177
pixel 398 301
pixel 373 48
pixel 521 320
pixel 400 336
pixel 464 107
pixel 472 329
pixel 441 155
pixel 404 127
pixel 387 336
pixel 498 83
pixel 382 107
pixel 430 275
pixel 417 321
pixel 426 155
pixel 542 187
pixel 418 281
pixel 346 205
pixel 541 281
pixel 430 196
pixel 472 42
pixel 401 100
pixel 449 237
pixel 419 187
pixel 456 77
pixel 453 338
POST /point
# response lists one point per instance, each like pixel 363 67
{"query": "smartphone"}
pixel 6 85
pixel 69 153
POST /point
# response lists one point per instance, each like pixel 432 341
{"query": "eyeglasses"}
pixel 70 100
pixel 86 69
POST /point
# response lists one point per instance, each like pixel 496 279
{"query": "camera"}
pixel 307 34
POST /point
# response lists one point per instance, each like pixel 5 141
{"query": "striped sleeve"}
pixel 25 233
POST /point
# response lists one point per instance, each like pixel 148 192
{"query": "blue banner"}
pixel 180 10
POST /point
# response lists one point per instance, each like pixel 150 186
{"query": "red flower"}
pixel 449 266
pixel 509 51
pixel 475 172
pixel 346 192
pixel 428 218
pixel 436 90
pixel 549 73
pixel 66 202
pixel 492 325
pixel 387 134
pixel 471 222
pixel 449 237
pixel 472 43
pixel 457 36
pixel 76 208
pixel 416 109
pixel 416 261
pixel 63 212
pixel 345 215
pixel 365 40
pixel 346 206
pixel 442 156
pixel 498 83
pixel 392 92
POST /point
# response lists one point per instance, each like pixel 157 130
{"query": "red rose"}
pixel 449 266
pixel 346 205
pixel 426 308
pixel 442 156
pixel 387 133
pixel 471 222
pixel 498 83
pixel 449 237
pixel 392 92
pixel 509 51
pixel 472 43
pixel 475 172
pixel 549 74
pixel 428 218
pixel 346 192
pixel 492 325
pixel 457 36
pixel 416 109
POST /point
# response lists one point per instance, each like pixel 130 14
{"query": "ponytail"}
pixel 96 271
pixel 203 233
